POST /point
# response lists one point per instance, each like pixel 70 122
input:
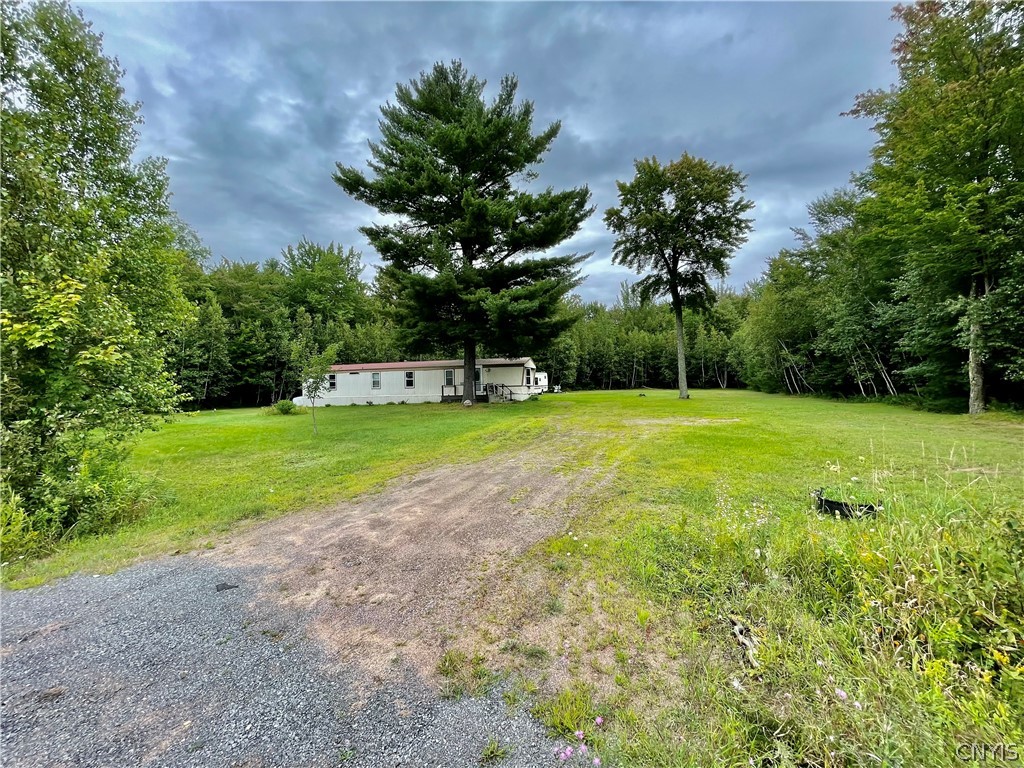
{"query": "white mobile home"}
pixel 429 381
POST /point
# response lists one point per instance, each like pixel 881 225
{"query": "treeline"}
pixel 632 343
pixel 835 315
pixel 236 348
pixel 831 316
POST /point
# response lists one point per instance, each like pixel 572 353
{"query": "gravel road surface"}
pixel 154 666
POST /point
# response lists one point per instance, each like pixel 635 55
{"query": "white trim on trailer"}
pixel 428 381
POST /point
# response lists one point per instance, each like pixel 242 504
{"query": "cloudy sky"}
pixel 252 104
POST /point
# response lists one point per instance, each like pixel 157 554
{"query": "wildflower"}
pixel 583 749
pixel 841 694
pixel 597 761
pixel 579 735
pixel 599 721
pixel 857 705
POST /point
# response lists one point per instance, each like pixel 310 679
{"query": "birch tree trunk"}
pixel 975 371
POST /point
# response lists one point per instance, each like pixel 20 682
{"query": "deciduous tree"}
pixel 679 223
pixel 946 189
pixel 90 274
pixel 312 363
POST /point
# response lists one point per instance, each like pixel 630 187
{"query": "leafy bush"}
pixel 284 407
pixel 18 539
pixel 81 487
pixel 90 282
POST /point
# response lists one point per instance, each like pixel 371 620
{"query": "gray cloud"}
pixel 253 104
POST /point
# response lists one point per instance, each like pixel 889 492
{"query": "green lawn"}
pixel 886 641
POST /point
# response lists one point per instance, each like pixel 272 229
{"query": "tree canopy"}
pixel 679 223
pixel 90 271
pixel 462 260
pixel 946 189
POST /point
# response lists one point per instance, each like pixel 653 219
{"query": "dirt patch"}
pixel 394 579
pixel 678 421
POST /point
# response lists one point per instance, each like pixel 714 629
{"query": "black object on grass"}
pixel 224 585
pixel 842 508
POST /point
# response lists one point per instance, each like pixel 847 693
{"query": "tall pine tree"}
pixel 461 258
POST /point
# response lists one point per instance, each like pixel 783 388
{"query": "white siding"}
pixel 514 377
pixel 355 388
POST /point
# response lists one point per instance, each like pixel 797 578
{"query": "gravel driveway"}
pixel 155 666
pixel 305 641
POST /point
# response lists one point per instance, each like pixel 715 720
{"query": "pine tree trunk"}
pixel 684 392
pixel 469 370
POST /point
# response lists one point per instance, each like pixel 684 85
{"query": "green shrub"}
pixel 78 491
pixel 18 539
pixel 284 407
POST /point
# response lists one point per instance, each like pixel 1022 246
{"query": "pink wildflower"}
pixel 841 694
pixel 599 721
pixel 597 761
pixel 579 735
pixel 583 749
pixel 568 751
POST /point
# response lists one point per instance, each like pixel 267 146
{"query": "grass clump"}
pixel 465 675
pixel 570 711
pixel 886 640
pixel 493 751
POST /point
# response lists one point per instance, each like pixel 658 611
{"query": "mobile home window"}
pixel 410 379
pixel 528 377
pixel 449 378
pixel 375 380
pixel 332 382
